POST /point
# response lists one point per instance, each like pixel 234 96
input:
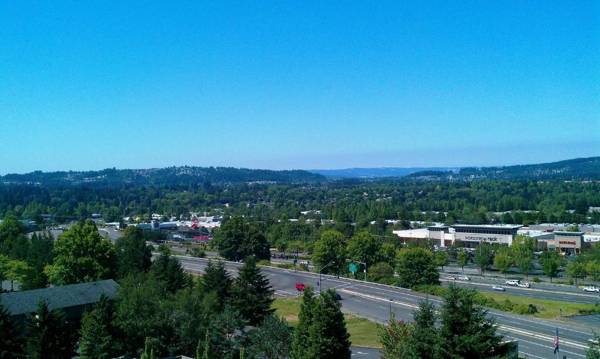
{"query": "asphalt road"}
pixel 546 291
pixel 377 302
pixel 538 290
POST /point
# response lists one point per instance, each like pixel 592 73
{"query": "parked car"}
pixel 591 288
pixel 524 285
pixel 513 282
pixel 463 277
pixel 498 288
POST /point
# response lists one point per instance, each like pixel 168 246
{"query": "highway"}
pixel 545 291
pixel 377 301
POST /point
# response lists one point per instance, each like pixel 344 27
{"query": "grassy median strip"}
pixel 548 309
pixel 541 308
pixel 363 332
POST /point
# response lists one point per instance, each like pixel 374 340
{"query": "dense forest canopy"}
pixel 344 201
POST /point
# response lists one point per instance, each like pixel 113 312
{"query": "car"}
pixel 338 297
pixel 591 288
pixel 300 287
pixel 513 282
pixel 450 277
pixel 498 288
pixel 463 277
pixel 524 285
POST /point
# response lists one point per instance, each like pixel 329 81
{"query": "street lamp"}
pixel 321 272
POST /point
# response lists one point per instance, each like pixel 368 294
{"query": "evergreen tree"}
pixel 466 331
pixel 49 336
pixel 133 255
pixel 305 319
pixel 168 271
pixel 217 280
pixel 425 338
pixel 396 340
pixel 11 343
pixel 271 340
pixel 327 335
pixel 39 256
pixel 149 349
pixel 252 294
pixel 96 340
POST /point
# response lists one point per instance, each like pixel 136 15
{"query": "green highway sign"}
pixel 353 268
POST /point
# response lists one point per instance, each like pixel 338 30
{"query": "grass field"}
pixel 363 332
pixel 548 309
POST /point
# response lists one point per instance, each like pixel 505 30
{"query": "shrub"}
pixel 536 280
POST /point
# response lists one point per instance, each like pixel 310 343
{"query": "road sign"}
pixel 353 268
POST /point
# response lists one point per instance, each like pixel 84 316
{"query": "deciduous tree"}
pixel 81 255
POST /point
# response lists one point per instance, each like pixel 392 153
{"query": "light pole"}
pixel 321 272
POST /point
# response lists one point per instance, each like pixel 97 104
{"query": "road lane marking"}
pixel 378 287
pixel 500 326
pixel 523 289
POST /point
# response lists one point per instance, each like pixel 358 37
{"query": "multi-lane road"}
pixel 377 302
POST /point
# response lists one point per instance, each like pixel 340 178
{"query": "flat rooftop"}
pixel 491 226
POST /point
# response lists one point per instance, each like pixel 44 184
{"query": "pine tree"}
pixel 252 294
pixel 169 272
pixel 305 319
pixel 96 340
pixel 11 343
pixel 396 340
pixel 425 338
pixel 327 336
pixel 217 280
pixel 149 352
pixel 271 340
pixel 49 336
pixel 466 331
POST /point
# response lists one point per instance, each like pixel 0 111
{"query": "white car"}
pixel 524 285
pixel 498 288
pixel 450 277
pixel 513 282
pixel 463 277
pixel 591 288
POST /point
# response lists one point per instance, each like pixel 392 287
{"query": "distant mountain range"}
pixel 378 172
pixel 575 169
pixel 579 169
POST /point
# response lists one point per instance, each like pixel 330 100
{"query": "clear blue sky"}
pixel 297 84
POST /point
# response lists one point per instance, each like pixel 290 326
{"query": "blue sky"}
pixel 297 84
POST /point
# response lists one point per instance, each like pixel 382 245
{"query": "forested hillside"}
pixel 575 169
pixel 161 176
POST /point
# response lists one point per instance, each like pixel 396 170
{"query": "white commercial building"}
pixel 467 235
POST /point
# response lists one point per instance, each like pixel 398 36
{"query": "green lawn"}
pixel 363 332
pixel 548 309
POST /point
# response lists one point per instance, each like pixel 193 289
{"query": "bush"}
pixel 431 289
pixel 525 309
pixel 265 262
pixel 381 273
pixel 536 280
pixel 198 252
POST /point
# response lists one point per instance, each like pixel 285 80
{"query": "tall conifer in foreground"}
pixel 252 294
